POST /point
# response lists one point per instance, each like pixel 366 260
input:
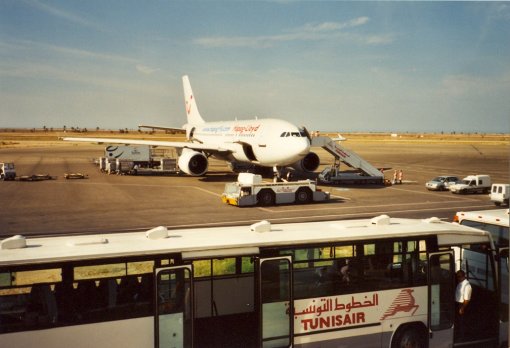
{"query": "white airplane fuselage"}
pixel 262 142
pixel 265 142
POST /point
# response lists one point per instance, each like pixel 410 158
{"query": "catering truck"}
pixel 250 190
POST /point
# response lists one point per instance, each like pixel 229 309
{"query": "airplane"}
pixel 270 142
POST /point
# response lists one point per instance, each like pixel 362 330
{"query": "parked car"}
pixel 441 183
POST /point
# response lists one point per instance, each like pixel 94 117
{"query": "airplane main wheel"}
pixel 266 197
pixel 304 195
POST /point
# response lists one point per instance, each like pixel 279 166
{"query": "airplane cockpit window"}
pixel 300 134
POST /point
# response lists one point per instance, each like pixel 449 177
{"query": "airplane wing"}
pixel 175 144
pixel 174 129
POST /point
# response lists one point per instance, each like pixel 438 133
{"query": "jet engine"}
pixel 193 162
pixel 309 163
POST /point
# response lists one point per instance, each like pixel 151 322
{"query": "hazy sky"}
pixel 340 66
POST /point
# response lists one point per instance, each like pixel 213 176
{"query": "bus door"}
pixel 441 299
pixel 275 302
pixel 173 322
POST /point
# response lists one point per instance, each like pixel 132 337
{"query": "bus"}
pixel 496 222
pixel 380 282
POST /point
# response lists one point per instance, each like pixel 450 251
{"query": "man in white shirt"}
pixel 462 297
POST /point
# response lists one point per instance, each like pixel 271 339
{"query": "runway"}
pixel 109 203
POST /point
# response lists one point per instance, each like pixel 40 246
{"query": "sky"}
pixel 337 66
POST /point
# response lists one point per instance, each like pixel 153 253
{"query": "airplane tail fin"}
pixel 190 103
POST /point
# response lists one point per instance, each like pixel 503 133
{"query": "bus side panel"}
pixel 360 340
pixel 135 333
pixel 371 314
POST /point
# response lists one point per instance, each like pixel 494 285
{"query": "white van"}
pixel 500 193
pixel 472 184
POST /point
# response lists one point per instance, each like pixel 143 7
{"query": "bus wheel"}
pixel 266 197
pixel 304 195
pixel 409 337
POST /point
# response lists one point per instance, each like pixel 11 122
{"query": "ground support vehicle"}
pixel 500 194
pixel 75 176
pixel 364 173
pixel 378 282
pixel 136 153
pixel 441 183
pixel 124 166
pixel 497 223
pixel 36 177
pixel 7 171
pixel 110 166
pixel 472 184
pixel 137 160
pixel 250 190
pixel 333 176
pixel 158 166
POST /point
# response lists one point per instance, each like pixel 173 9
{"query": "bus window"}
pixel 499 233
pixel 37 276
pixel 100 271
pixel 141 267
pixel 393 264
pixel 28 299
pixel 5 279
pixel 247 265
pixel 224 266
pixel 201 268
pixel 476 261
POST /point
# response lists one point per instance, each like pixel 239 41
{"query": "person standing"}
pixel 400 176
pixel 462 298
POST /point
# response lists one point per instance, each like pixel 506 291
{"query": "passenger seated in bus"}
pixel 345 272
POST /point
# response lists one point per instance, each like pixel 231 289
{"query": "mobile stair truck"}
pixel 250 190
pixel 362 173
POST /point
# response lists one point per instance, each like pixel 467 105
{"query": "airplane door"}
pixel 275 302
pixel 441 299
pixel 173 322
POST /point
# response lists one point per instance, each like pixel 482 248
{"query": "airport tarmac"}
pixel 106 203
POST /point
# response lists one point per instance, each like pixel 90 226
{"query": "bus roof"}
pixel 499 217
pixel 230 241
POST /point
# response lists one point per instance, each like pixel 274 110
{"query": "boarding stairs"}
pixel 345 155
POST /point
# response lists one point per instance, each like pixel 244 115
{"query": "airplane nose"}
pixel 303 147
